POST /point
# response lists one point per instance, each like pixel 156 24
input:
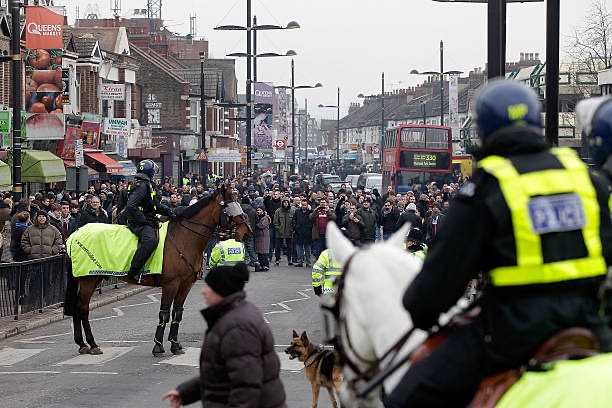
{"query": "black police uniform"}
pixel 142 206
pixel 514 320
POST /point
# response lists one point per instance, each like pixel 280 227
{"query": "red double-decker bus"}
pixel 416 154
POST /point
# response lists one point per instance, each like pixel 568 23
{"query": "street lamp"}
pixel 293 87
pixel 337 106
pixel 249 55
pixel 441 74
pixel 204 163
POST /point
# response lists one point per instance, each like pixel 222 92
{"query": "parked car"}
pixel 351 180
pixel 337 186
pixel 374 182
pixel 330 178
pixel 363 177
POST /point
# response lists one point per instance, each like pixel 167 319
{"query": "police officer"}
pixel 325 271
pixel 595 116
pixel 537 223
pixel 227 252
pixel 142 206
pixel 415 243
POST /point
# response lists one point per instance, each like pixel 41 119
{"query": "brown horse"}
pixel 184 247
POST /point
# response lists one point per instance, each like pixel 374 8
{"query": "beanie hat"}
pixel 227 279
pixel 424 197
pixel 411 206
pixel 245 200
pixel 42 212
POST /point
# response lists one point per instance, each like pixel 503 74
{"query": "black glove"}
pixel 172 215
pixel 318 290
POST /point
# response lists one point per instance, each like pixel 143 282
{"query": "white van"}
pixel 363 177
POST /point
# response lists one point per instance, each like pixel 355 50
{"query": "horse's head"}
pixel 368 318
pixel 233 218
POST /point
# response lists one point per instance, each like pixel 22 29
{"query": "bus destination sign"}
pixel 422 161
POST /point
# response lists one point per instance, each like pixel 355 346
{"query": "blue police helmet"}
pixel 147 167
pixel 595 117
pixel 502 104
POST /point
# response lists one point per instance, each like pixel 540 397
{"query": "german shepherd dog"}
pixel 321 367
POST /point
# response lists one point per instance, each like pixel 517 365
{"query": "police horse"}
pixel 183 250
pixel 373 332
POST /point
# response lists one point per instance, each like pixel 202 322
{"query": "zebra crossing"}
pixel 11 359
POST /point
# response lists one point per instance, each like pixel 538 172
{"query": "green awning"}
pixel 38 166
pixel 5 177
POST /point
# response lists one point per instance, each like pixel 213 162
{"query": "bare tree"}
pixel 590 47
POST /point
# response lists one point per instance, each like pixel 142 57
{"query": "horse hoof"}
pixel 176 348
pixel 178 351
pixel 95 351
pixel 84 350
pixel 158 350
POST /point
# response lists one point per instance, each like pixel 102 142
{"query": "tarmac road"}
pixel 41 367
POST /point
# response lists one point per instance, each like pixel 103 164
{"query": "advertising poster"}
pixel 5 128
pixel 117 126
pixel 262 122
pixel 90 132
pixel 44 84
pixel 65 148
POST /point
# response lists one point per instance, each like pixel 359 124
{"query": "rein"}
pixel 373 365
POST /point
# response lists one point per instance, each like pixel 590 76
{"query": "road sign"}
pixel 202 156
pixel 280 144
pixel 78 153
pixel 256 156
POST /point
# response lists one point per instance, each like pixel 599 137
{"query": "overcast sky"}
pixel 349 43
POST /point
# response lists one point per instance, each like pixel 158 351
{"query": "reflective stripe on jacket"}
pixel 228 252
pixel 548 201
pixel 325 272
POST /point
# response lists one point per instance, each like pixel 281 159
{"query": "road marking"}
pixel 93 372
pixel 118 311
pixel 289 365
pixel 124 341
pixel 10 356
pixel 29 372
pixel 283 305
pixel 110 353
pixel 40 340
pixel 190 358
pixel 153 296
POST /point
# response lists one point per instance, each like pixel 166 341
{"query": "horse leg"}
pixel 177 316
pixel 78 334
pixel 88 286
pixel 164 318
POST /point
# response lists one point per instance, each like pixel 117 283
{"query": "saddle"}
pixel 569 344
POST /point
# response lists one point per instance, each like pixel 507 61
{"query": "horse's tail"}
pixel 71 300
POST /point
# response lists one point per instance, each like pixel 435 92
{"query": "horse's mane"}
pixel 192 210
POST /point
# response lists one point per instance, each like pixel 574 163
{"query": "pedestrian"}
pixel 93 213
pixel 261 237
pixel 251 257
pixel 389 217
pixel 23 221
pixel 302 234
pixel 434 221
pixel 239 366
pixel 272 203
pixel 320 216
pixel 41 239
pixel 352 223
pixel 536 222
pixel 369 223
pixel 283 218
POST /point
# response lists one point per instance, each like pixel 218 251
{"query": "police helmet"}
pixel 595 118
pixel 415 235
pixel 503 104
pixel 147 167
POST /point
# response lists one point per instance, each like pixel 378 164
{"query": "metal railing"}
pixel 32 285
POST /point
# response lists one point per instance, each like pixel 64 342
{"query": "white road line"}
pixel 153 296
pixel 110 353
pixel 190 358
pixel 118 311
pixel 289 365
pixel 124 341
pixel 93 372
pixel 35 339
pixel 29 372
pixel 10 356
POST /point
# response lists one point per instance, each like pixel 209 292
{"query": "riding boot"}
pixel 133 273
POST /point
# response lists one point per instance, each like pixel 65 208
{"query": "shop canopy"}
pixel 111 166
pixel 38 166
pixel 5 177
pixel 91 173
pixel 129 169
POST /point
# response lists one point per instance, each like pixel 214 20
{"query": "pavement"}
pixel 10 327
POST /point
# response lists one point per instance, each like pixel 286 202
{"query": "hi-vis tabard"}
pixel 325 271
pixel 151 191
pixel 228 252
pixel 547 201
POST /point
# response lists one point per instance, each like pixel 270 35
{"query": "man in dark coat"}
pixel 409 215
pixel 141 209
pixel 389 217
pixel 238 364
pixel 302 233
pixel 93 213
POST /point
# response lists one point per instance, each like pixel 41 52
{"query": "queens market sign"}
pixel 117 127
pixel 115 92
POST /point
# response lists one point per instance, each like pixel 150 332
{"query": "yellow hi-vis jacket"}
pixel 325 272
pixel 548 201
pixel 228 252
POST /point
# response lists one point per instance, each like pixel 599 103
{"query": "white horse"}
pixel 372 305
pixel 372 319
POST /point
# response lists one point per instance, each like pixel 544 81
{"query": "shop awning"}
pixel 111 166
pixel 91 173
pixel 38 166
pixel 129 169
pixel 5 177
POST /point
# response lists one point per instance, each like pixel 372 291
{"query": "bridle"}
pixel 332 319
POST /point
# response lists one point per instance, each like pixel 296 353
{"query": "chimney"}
pixel 522 56
pixel 537 56
pixel 531 56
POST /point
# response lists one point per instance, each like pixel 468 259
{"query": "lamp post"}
pixel 204 163
pixel 337 106
pixel 293 87
pixel 441 74
pixel 249 55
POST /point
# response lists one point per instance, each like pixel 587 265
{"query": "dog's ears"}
pixel 295 335
pixel 304 337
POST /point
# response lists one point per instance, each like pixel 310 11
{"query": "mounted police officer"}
pixel 536 222
pixel 142 206
pixel 227 252
pixel 595 116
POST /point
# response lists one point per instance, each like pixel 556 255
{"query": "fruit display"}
pixel 43 83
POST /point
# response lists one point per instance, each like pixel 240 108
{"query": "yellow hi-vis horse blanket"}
pixel 107 249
